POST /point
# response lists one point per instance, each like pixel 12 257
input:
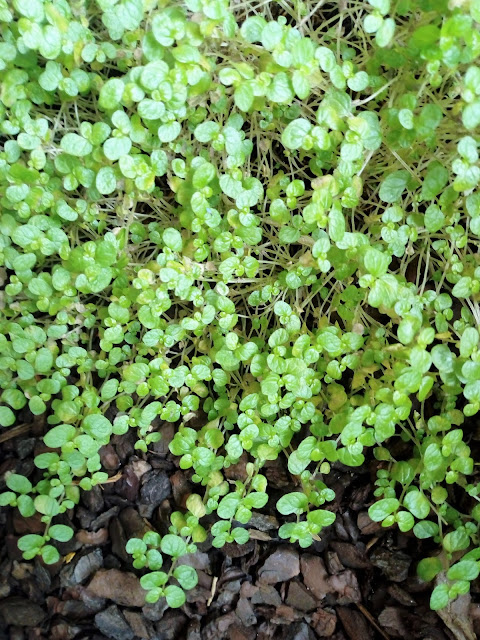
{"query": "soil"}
pixel 357 582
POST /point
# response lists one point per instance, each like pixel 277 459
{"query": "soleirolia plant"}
pixel 265 213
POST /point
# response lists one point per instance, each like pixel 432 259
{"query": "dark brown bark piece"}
pixel 282 565
pixel 299 597
pixel 354 624
pixel 324 622
pixel 119 586
pixel 351 555
pixel 21 612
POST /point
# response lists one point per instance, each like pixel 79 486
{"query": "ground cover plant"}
pixel 263 214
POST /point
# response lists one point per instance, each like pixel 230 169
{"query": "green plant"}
pixel 268 215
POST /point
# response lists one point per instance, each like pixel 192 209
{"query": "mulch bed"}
pixel 357 583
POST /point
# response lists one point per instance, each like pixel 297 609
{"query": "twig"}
pixel 372 621
pixel 367 160
pixel 15 432
pixel 404 164
pixel 212 591
pixel 114 478
pixel 312 12
pixel 371 542
pixel 357 103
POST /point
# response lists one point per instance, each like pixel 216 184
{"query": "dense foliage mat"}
pixel 265 214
